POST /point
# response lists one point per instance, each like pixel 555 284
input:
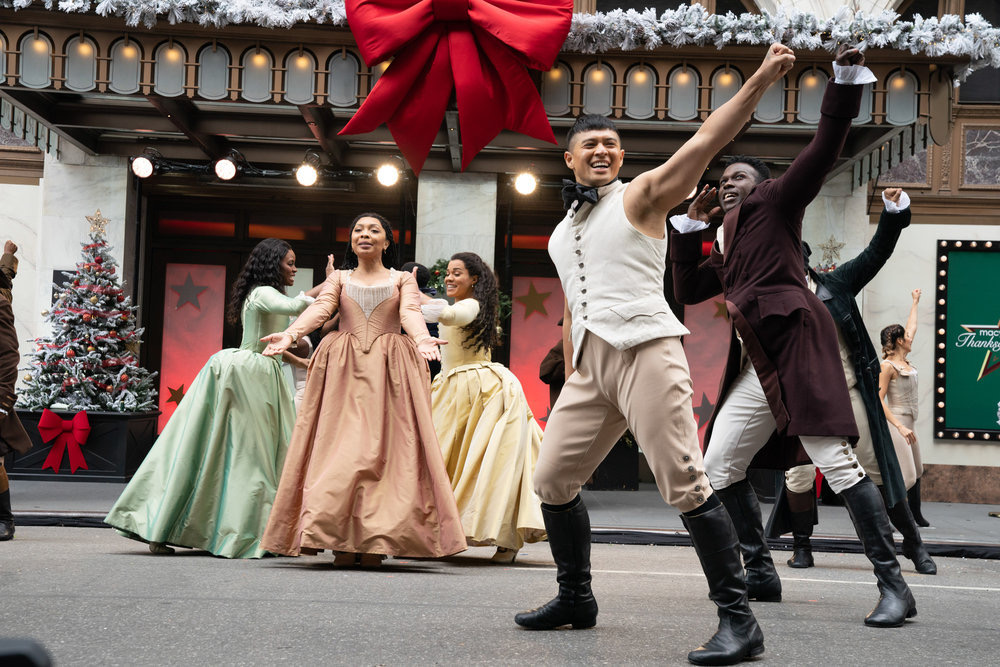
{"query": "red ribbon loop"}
pixel 69 434
pixel 478 48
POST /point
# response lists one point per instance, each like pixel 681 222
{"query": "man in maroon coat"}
pixel 784 370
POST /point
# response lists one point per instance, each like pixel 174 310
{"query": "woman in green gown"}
pixel 210 479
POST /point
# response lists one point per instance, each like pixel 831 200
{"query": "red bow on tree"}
pixel 479 48
pixel 68 434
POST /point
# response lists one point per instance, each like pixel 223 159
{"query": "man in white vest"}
pixel 625 366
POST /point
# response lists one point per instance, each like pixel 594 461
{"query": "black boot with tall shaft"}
pixel 896 603
pixel 568 528
pixel 913 496
pixel 802 506
pixel 763 583
pixel 738 636
pixel 6 515
pixel 913 544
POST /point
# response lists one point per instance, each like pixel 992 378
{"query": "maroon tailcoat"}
pixel 787 331
pixel 12 434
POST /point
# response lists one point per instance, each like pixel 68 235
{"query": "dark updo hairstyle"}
pixel 263 269
pixel 763 173
pixel 890 336
pixel 482 333
pixel 388 257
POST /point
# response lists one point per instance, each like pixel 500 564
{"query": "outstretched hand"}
pixel 777 62
pixel 915 294
pixel 701 206
pixel 9 248
pixel 893 194
pixel 330 266
pixel 429 350
pixel 276 343
pixel 849 55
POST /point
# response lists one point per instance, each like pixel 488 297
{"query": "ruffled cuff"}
pixel 684 224
pixel 893 207
pixel 852 74
pixel 432 309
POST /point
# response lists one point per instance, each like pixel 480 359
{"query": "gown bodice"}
pixel 902 392
pixel 265 311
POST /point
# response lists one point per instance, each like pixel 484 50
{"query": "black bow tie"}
pixel 574 192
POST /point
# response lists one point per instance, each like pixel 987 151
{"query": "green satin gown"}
pixel 210 479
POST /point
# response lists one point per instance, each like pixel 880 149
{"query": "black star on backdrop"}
pixel 176 395
pixel 548 411
pixel 703 411
pixel 721 310
pixel 188 292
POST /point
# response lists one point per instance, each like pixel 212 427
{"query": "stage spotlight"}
pixel 307 173
pixel 226 168
pixel 525 183
pixel 387 175
pixel 142 166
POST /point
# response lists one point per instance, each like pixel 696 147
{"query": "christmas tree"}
pixel 90 362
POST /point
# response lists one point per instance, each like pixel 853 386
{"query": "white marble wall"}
pixel 48 222
pixel 887 301
pixel 456 213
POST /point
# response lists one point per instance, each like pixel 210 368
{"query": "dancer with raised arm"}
pixel 626 368
pixel 784 369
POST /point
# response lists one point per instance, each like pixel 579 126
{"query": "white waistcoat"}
pixel 612 275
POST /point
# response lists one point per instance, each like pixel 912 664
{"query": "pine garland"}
pixel 625 29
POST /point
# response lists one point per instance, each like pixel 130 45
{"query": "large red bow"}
pixel 479 48
pixel 68 434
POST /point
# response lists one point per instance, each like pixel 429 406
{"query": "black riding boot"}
pixel 913 495
pixel 6 515
pixel 738 636
pixel 740 500
pixel 867 511
pixel 802 508
pixel 568 527
pixel 913 545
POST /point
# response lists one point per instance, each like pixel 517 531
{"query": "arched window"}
pixel 865 115
pixel 640 92
pixel 812 86
pixel 256 81
pixel 342 88
pixel 169 70
pixel 682 98
pixel 725 83
pixel 125 60
pixel 213 72
pixel 81 63
pixel 555 90
pixel 597 89
pixel 300 77
pixel 901 98
pixel 771 108
pixel 36 61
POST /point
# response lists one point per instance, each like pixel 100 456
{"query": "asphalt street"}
pixel 95 598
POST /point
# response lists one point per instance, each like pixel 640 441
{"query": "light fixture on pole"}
pixel 525 183
pixel 307 173
pixel 147 164
pixel 387 174
pixel 228 167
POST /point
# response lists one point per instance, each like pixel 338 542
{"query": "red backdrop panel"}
pixel 538 307
pixel 706 349
pixel 194 302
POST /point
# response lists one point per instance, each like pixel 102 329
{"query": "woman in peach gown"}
pixel 364 475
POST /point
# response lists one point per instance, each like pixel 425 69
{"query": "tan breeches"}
pixel 646 389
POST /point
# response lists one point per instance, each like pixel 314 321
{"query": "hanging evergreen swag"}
pixel 628 29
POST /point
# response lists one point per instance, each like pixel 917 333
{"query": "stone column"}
pixel 837 216
pixel 456 213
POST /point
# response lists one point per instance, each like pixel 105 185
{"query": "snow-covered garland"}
pixel 628 30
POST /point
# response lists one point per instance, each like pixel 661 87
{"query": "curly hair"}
pixel 263 268
pixel 482 333
pixel 388 257
pixel 755 163
pixel 890 336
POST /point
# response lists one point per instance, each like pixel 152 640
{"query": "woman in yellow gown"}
pixel 488 436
